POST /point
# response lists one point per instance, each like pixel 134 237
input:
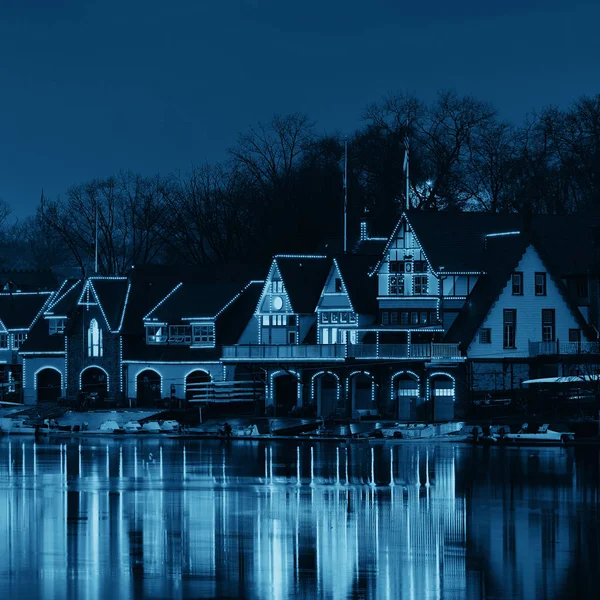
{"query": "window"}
pixel 277 286
pixel 404 318
pixel 265 320
pixel 203 335
pixel 396 285
pixel 540 284
pixel 397 266
pixel 334 317
pixel 510 328
pixel 385 317
pixel 582 287
pixel 3 341
pixel 485 335
pixel 94 339
pixel 517 284
pixel 548 316
pixel 424 318
pixel 156 334
pixel 394 317
pixel 56 326
pixel 180 334
pixel 575 335
pixel 414 318
pixel 18 339
pixel 324 317
pixel 420 266
pixel 420 285
pixel 344 317
pixel 338 284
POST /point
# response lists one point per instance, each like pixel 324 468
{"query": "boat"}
pixel 132 427
pixel 110 426
pixel 17 426
pixel 543 434
pixel 151 427
pixel 409 431
pixel 169 426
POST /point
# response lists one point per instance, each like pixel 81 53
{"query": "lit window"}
pixel 56 326
pixel 18 339
pixel 94 339
pixel 203 335
pixel 420 285
pixel 517 284
pixel 397 285
pixel 180 334
pixel 265 320
pixel 485 336
pixel 324 317
pixel 156 334
pixel 540 284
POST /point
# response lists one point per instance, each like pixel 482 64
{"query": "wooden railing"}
pixel 285 352
pixel 563 348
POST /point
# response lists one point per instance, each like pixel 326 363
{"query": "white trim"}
pixel 95 367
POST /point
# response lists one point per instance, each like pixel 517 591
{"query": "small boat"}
pixel 409 431
pixel 132 427
pixel 169 426
pixel 543 434
pixel 110 426
pixel 151 427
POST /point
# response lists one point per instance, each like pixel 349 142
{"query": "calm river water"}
pixel 161 518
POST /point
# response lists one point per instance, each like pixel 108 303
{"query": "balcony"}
pixel 563 348
pixel 406 352
pixel 278 353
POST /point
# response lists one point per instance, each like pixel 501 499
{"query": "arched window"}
pixel 94 339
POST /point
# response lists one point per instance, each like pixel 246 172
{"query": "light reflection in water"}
pixel 166 518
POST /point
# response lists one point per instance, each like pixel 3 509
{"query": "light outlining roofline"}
pixel 124 307
pixel 147 317
pixel 404 217
pixel 503 233
pixel 53 304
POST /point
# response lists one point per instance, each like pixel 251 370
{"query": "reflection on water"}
pixel 165 518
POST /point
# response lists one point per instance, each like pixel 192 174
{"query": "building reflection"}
pixel 163 518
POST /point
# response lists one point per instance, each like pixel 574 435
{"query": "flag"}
pixel 406 147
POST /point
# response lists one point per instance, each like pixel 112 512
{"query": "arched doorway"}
pixel 49 385
pixel 197 386
pixel 326 393
pixel 149 388
pixel 405 394
pixel 94 381
pixel 362 392
pixel 284 393
pixel 442 395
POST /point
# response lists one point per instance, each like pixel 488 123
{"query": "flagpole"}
pixel 96 240
pixel 406 166
pixel 345 194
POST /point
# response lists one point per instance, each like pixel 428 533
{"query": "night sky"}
pixel 88 88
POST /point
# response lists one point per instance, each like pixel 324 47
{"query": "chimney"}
pixel 364 225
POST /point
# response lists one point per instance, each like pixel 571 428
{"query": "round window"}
pixel 278 303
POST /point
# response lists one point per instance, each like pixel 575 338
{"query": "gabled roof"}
pixel 194 300
pixel 39 340
pixel 303 278
pixel 65 299
pixel 28 280
pixel 501 258
pixel 111 293
pixel 20 310
pixel 361 288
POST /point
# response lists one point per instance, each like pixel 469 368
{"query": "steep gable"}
pixel 529 310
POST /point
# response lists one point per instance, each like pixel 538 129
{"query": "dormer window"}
pixel 156 334
pixel 94 339
pixel 56 326
pixel 180 334
pixel 203 335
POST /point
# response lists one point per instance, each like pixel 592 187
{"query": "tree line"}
pixel 280 188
